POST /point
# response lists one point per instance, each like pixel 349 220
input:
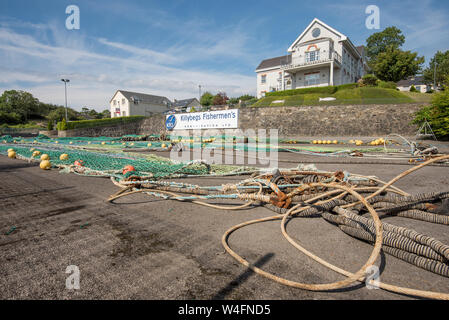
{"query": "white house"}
pixel 417 81
pixel 126 103
pixel 186 105
pixel 320 56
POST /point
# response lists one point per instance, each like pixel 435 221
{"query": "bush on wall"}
pixel 98 122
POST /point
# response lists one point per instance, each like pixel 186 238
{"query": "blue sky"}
pixel 170 47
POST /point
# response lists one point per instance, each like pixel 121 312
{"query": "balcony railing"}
pixel 305 61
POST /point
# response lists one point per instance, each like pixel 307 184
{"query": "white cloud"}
pixel 96 75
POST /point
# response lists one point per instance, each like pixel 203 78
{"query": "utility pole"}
pixel 65 85
pixel 199 88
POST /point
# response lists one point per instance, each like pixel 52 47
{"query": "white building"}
pixel 320 56
pixel 417 81
pixel 186 105
pixel 126 103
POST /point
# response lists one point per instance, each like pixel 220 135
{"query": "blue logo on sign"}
pixel 170 123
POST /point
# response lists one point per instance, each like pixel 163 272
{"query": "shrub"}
pixel 369 80
pixel 97 122
pixel 50 125
pixel 437 115
pixel 386 84
pixel 10 117
pixel 413 89
pixel 347 86
pixel 62 125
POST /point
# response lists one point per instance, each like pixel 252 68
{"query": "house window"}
pixel 312 79
pixel 123 113
pixel 123 101
pixel 115 102
pixel 312 56
pixel 263 79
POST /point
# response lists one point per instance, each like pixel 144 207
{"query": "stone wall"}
pixel 348 120
pixel 338 121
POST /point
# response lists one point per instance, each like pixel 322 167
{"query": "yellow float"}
pixel 45 165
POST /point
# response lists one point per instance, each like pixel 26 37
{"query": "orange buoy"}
pixel 128 168
pixel 79 163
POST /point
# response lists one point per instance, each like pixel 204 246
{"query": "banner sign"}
pixel 227 119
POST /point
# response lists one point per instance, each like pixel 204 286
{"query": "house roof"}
pixel 414 80
pixel 316 20
pixel 146 98
pixel 274 62
pixel 360 49
pixel 184 102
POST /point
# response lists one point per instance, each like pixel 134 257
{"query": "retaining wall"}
pixel 338 121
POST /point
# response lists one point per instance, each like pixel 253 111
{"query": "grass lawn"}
pixel 420 97
pixel 364 95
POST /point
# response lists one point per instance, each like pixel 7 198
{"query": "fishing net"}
pixel 99 163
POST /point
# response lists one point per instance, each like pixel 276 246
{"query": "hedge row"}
pixel 101 122
pixel 319 90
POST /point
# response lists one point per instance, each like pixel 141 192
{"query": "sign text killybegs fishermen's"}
pixel 222 119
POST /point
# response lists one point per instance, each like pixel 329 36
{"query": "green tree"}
pixel 234 101
pixel 379 42
pixel 437 114
pixel 105 114
pixel 50 125
pixel 59 113
pixel 246 97
pixel 10 117
pixel 44 109
pixel 62 125
pixel 206 99
pixel 441 72
pixel 395 64
pixel 19 102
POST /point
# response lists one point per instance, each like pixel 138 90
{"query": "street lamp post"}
pixel 65 85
